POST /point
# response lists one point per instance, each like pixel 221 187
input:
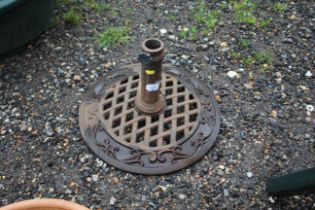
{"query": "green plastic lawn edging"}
pixel 21 21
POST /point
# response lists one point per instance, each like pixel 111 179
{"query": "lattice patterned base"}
pixel 168 141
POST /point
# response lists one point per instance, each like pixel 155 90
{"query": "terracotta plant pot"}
pixel 44 204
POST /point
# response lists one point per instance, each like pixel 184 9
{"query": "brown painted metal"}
pixel 178 136
pixel 130 127
pixel 149 98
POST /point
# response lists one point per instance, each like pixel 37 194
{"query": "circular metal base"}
pixel 170 140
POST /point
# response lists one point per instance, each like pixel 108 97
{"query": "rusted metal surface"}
pixel 130 127
pixel 173 139
pixel 149 98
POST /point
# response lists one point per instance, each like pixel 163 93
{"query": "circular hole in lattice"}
pixel 125 124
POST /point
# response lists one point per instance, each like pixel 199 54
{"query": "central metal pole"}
pixel 149 98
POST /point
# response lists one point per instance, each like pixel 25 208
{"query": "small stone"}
pixel 163 31
pixel 223 44
pixel 77 78
pixel 171 37
pixel 182 196
pixel 249 85
pixel 163 188
pixel 195 70
pixel 271 200
pixel 220 172
pixel 48 130
pixel 226 192
pixel 156 194
pixel 274 114
pixel 84 158
pixel 287 40
pixel 112 201
pixel 310 108
pixel 94 177
pixel 68 191
pixel 249 174
pixel 204 46
pixel 115 180
pixel 292 17
pixel 185 29
pixel 232 74
pixel 218 98
pixel 308 74
pixel 278 74
pixel 221 23
pixel 279 80
pixel 185 57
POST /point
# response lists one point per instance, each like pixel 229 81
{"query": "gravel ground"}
pixel 267 119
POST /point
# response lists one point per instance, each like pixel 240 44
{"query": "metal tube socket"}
pixel 149 98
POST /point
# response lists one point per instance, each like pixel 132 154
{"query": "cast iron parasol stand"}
pixel 148 121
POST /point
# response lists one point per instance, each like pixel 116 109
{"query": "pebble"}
pixel 112 201
pixel 308 74
pixel 204 46
pixel 206 58
pixel 249 85
pixel 171 37
pixel 99 162
pixel 94 177
pixel 271 200
pixel 182 196
pixel 279 80
pixel 274 114
pixel 287 40
pixel 232 74
pixel 84 158
pixel 185 57
pixel 77 78
pixel 278 74
pixel 226 192
pixel 292 17
pixel 115 180
pixel 220 172
pixel 48 130
pixel 223 44
pixel 310 108
pixel 249 174
pixel 163 31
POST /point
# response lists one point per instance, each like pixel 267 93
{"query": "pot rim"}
pixel 47 203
